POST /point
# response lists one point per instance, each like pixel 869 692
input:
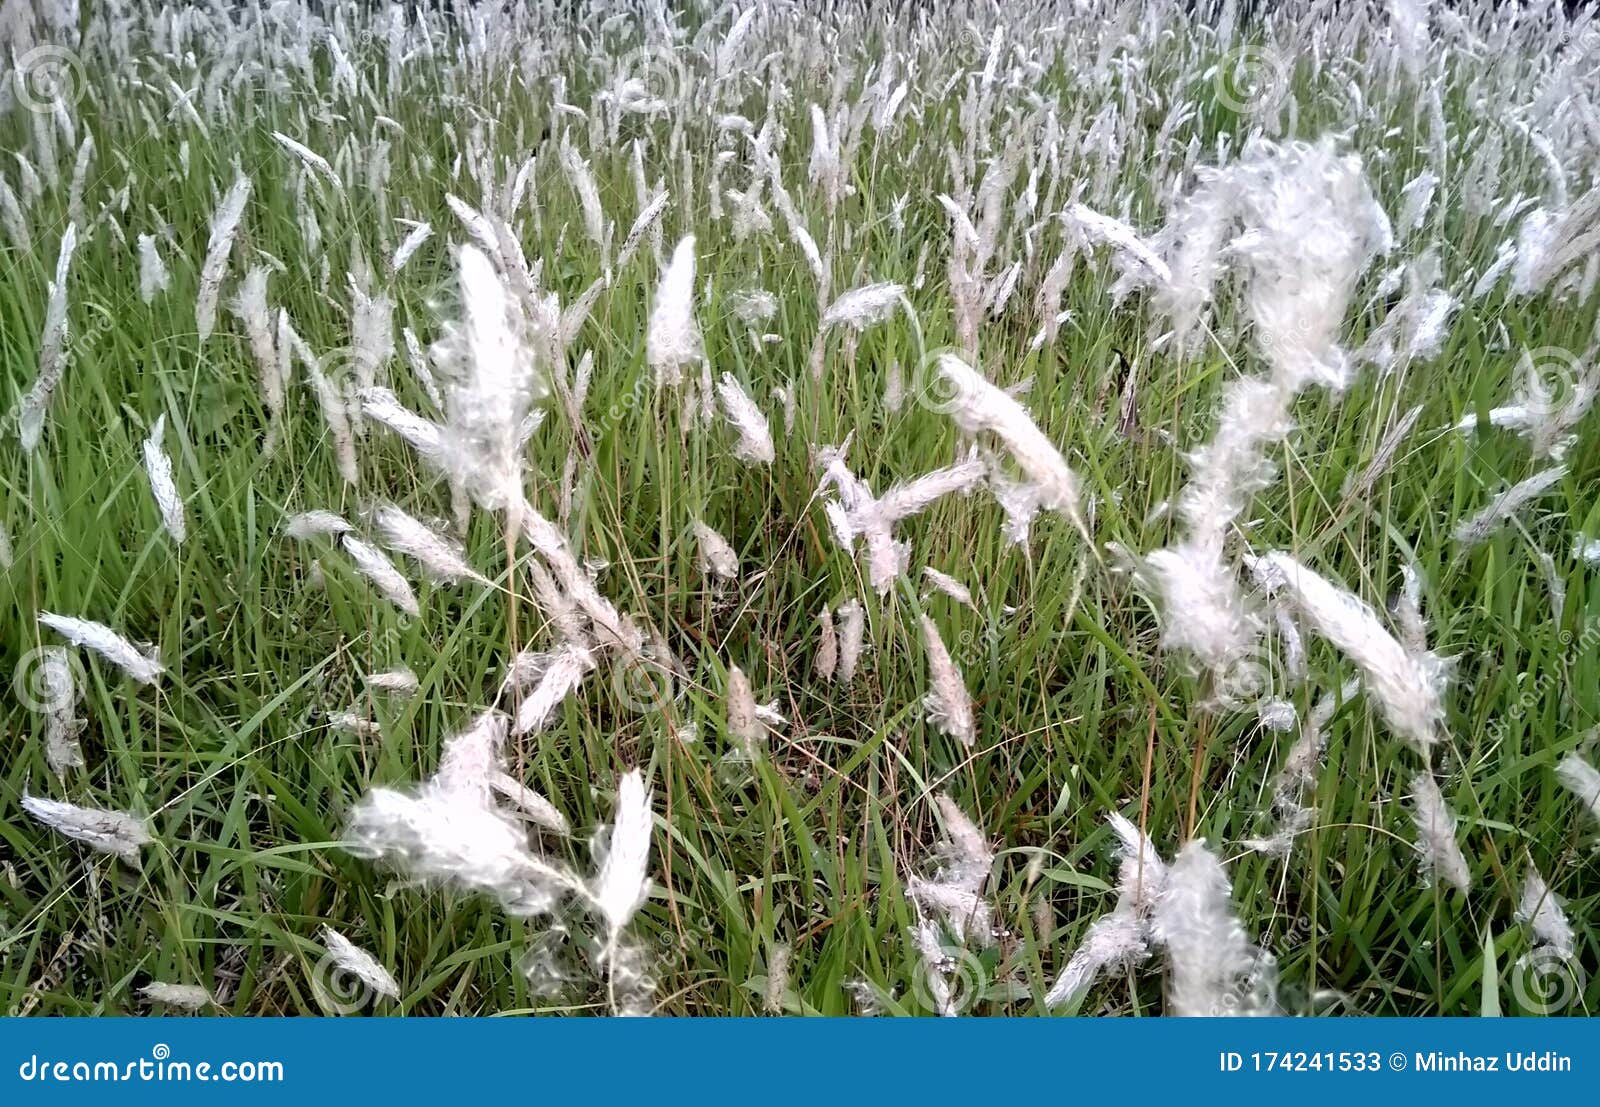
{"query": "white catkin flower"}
pixel 441 558
pixel 672 342
pixel 950 586
pixel 359 963
pixel 224 226
pixel 827 657
pixel 409 246
pixel 743 725
pixel 400 682
pixel 53 691
pixel 864 307
pixel 449 831
pixel 1123 936
pixel 249 305
pixel 1541 912
pixel 714 556
pixel 1504 507
pixel 380 405
pixel 530 804
pixel 1216 968
pixel 377 568
pixel 777 988
pixel 1436 834
pixel 1407 685
pixel 138 664
pixel 852 634
pixel 153 276
pixel 1582 780
pixel 158 466
pixel 52 349
pixel 115 832
pixel 623 882
pixel 315 524
pixel 563 671
pixel 755 437
pixel 948 705
pixel 493 380
pixel 190 997
pixel 953 894
pixel 310 159
pixel 977 405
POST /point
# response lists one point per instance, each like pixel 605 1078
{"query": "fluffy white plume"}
pixel 115 832
pixel 137 663
pixel 1541 912
pixel 190 997
pixel 623 882
pixel 153 276
pixel 442 559
pixel 976 405
pixel 948 705
pixel 381 572
pixel 52 349
pixel 1506 505
pixel 714 556
pixel 755 437
pixel 360 964
pixel 224 226
pixel 1583 780
pixel 1407 685
pixel 672 343
pixel 1436 834
pixel 158 467
pixel 1216 968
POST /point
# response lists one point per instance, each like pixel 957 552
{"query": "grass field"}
pixel 806 152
